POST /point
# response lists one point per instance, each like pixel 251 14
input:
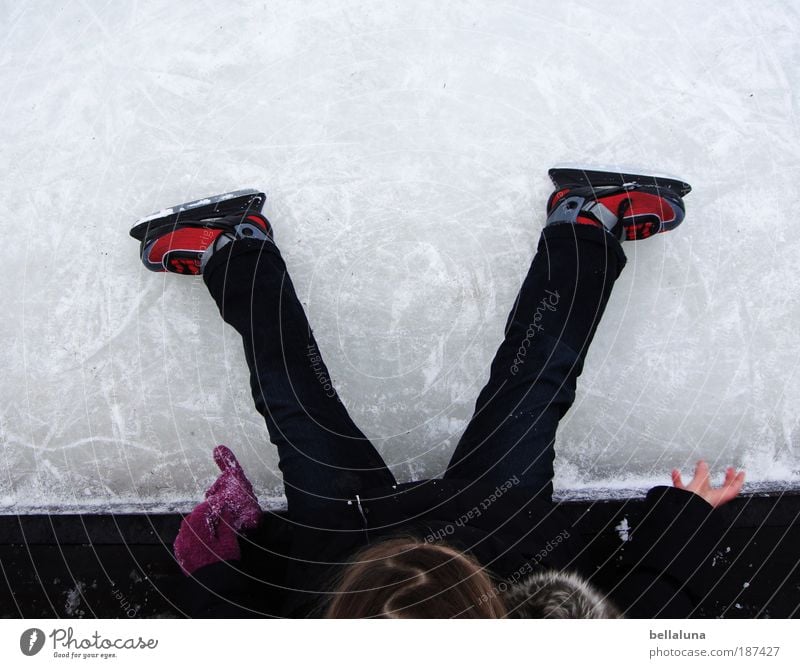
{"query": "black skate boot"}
pixel 182 239
pixel 629 206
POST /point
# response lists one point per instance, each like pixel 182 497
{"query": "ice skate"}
pixel 181 239
pixel 630 206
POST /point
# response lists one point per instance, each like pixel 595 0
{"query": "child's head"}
pixel 556 595
pixel 410 578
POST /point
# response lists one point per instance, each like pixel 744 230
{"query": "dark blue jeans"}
pixel 324 456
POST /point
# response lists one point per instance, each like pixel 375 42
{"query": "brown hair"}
pixel 409 578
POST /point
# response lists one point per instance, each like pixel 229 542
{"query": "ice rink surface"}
pixel 403 147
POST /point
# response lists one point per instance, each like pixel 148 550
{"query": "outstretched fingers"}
pixel 701 474
pixel 701 485
pixel 732 485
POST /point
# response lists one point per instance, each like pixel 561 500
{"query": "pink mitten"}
pixel 208 534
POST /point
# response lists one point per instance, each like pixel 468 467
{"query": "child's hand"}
pixel 701 484
pixel 209 533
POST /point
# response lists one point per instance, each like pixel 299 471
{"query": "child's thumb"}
pixel 225 459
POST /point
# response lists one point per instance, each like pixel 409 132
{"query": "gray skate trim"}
pixel 242 231
pixel 250 231
pixel 567 211
pixel 220 242
pixel 602 213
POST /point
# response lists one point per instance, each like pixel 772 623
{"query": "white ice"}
pixel 403 147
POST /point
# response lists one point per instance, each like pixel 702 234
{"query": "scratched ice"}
pixel 404 149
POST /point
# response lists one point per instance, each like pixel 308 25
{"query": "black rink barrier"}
pixel 118 566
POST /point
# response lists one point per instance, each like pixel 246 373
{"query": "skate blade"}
pixel 235 201
pixel 579 173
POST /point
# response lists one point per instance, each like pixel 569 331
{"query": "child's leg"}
pixel 534 373
pixel 323 455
